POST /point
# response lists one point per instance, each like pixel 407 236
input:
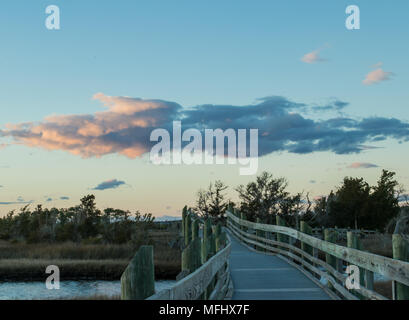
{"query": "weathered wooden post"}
pixel 330 236
pixel 400 252
pixel 220 241
pixel 305 228
pixel 195 229
pixel 261 234
pixel 242 217
pixel 138 279
pixel 184 214
pixel 188 229
pixel 217 233
pixel 191 256
pixel 354 242
pixel 207 232
pixel 281 237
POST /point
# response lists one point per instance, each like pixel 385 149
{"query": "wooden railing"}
pixel 342 233
pixel 305 251
pixel 205 266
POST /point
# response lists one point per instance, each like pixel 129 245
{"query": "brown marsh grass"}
pixel 22 261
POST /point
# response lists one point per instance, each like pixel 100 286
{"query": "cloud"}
pixel 125 127
pixel 376 76
pixel 362 165
pixel 313 57
pixel 336 105
pixel 20 200
pixel 49 200
pixel 64 198
pixel 313 181
pixel 403 198
pixel 110 184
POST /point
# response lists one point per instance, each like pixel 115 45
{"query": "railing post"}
pixel 184 215
pixel 218 237
pixel 195 229
pixel 260 234
pixel 305 228
pixel 207 233
pixel 354 242
pixel 401 252
pixel 138 279
pixel 330 236
pixel 369 279
pixel 188 229
pixel 242 217
pixel 191 256
pixel 281 237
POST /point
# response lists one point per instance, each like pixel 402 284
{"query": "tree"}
pixel 212 202
pixel 89 216
pixel 265 197
pixel 384 201
pixel 350 204
pixel 357 205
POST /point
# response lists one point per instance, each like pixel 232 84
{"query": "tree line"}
pixel 82 223
pixel 354 204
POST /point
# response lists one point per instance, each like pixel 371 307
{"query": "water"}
pixel 68 290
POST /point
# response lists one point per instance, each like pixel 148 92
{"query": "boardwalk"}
pixel 264 277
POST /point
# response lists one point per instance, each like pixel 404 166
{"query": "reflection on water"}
pixel 68 290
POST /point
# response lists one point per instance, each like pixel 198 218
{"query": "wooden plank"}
pixel 192 286
pixel 401 252
pixel 391 268
pixel 286 253
pixel 138 279
pixel 340 277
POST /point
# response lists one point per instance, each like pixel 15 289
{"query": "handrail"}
pixel 394 269
pixel 193 286
pixel 205 266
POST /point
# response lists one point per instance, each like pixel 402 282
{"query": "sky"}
pixel 78 103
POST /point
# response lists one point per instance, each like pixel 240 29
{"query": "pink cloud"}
pixel 376 76
pixel 362 165
pixel 123 128
pixel 312 57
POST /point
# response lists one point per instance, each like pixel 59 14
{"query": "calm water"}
pixel 68 289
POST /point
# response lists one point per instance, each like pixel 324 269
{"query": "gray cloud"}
pixel 126 126
pixel 110 184
pixel 64 198
pixel 20 200
pixel 336 105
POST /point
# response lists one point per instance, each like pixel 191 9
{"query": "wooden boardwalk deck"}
pixel 257 276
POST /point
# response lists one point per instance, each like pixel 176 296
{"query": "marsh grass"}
pixel 384 288
pixel 380 244
pixel 21 261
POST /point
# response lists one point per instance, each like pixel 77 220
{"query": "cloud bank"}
pixel 125 126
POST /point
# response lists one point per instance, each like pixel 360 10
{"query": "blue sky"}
pixel 193 53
